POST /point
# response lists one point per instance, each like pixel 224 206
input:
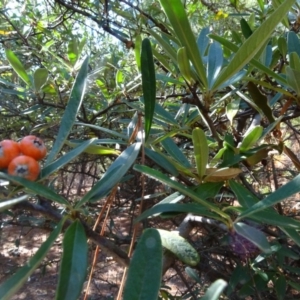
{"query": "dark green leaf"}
pixel 74 263
pixel 261 101
pixel 282 193
pixel 144 274
pixel 182 189
pixel 161 161
pixel 148 84
pixel 37 188
pixel 246 30
pixel 71 111
pixel 113 175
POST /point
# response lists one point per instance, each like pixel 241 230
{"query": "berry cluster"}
pixel 21 159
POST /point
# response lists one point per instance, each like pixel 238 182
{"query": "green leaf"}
pixel 282 46
pixel 15 282
pixel 292 233
pixel 234 48
pixel 71 111
pixel 113 175
pixel 74 263
pixel 73 51
pixel 246 30
pixel 137 50
pixel 148 84
pixel 40 77
pixel 180 247
pixel 208 189
pixel 161 161
pixel 253 235
pixel 261 101
pixel 215 63
pixel 254 43
pixel 185 67
pixel 182 189
pixel 280 287
pixel 293 79
pixel 144 274
pixel 93 148
pixel 282 193
pixel 294 61
pixel 251 138
pixel 203 40
pixel 293 43
pixel 176 14
pixel 215 290
pixel 17 66
pixel 159 208
pixel 173 150
pixel 63 160
pixel 201 151
pixel 37 188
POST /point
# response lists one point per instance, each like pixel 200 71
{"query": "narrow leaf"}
pixel 37 188
pixel 15 282
pixel 148 84
pixel 113 175
pixel 74 263
pixel 63 160
pixel 251 138
pixel 176 14
pixel 71 111
pixel 201 151
pixel 254 43
pixel 17 66
pixel 234 48
pixel 261 101
pixel 144 274
pixel 193 208
pixel 181 188
pixel 282 193
pixel 215 63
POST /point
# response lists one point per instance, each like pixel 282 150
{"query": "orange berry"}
pixel 33 146
pixel 24 166
pixel 8 151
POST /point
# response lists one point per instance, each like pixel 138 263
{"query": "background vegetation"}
pixel 163 120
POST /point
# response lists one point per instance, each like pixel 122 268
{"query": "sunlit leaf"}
pixel 179 246
pixel 17 66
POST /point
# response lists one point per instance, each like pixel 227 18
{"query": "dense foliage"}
pixel 171 111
